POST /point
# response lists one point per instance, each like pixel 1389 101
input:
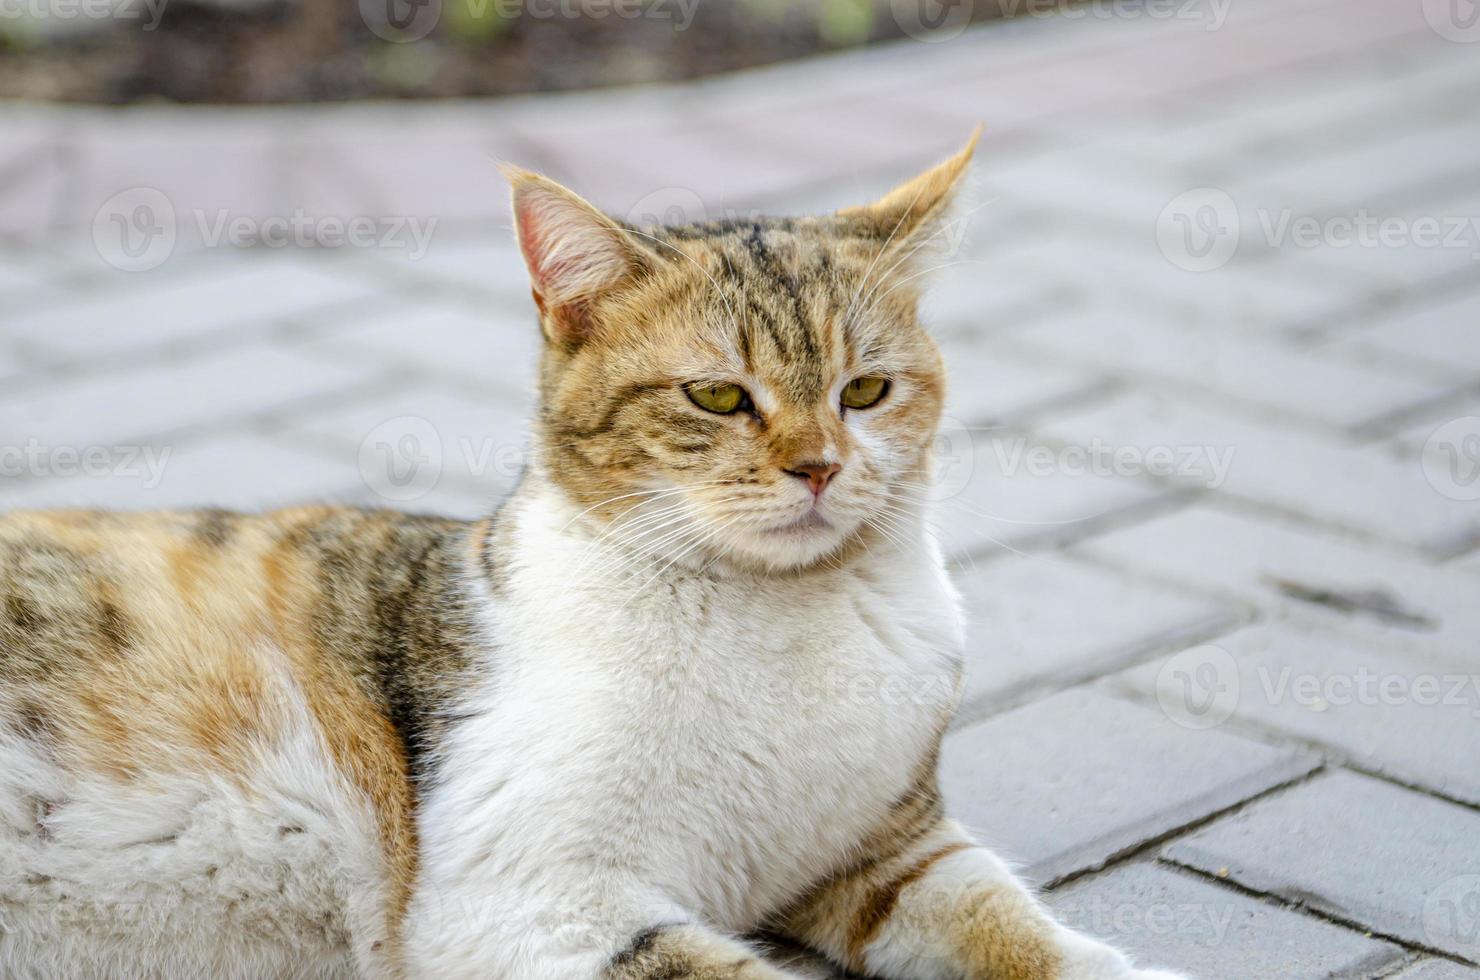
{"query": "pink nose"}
pixel 817 475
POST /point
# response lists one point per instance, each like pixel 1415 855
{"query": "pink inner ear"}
pixel 532 242
pixel 570 252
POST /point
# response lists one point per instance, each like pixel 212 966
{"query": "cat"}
pixel 687 684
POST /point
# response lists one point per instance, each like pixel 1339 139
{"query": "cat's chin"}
pixel 798 544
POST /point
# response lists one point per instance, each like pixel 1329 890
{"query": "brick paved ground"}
pixel 1214 462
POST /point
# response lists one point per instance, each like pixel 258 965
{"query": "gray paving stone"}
pixel 1294 471
pixel 960 300
pixel 164 305
pixel 1437 969
pixel 1399 264
pixel 1168 919
pixel 1114 271
pixel 997 489
pixel 1342 182
pixel 35 277
pixel 1469 564
pixel 1388 269
pixel 29 159
pixel 1256 557
pixel 496 351
pixel 209 164
pixel 168 396
pixel 1244 298
pixel 1067 783
pixel 1384 858
pixel 16 276
pixel 1444 332
pixel 1405 716
pixel 1254 132
pixel 1410 441
pixel 1235 366
pixel 1076 180
pixel 490 264
pixel 246 473
pixel 988 386
pixel 477 446
pixel 1040 620
pixel 376 160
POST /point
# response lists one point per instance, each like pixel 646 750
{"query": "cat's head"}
pixel 759 392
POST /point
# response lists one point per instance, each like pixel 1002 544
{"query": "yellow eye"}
pixel 723 399
pixel 864 392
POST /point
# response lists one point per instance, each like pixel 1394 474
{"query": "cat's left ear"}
pixel 574 252
pixel 916 209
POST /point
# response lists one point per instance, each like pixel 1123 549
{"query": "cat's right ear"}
pixel 574 252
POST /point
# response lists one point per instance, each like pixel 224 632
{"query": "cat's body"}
pixel 689 682
pixel 198 767
pixel 587 736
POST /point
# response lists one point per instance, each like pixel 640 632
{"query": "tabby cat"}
pixel 686 685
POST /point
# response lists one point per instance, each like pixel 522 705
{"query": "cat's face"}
pixel 760 392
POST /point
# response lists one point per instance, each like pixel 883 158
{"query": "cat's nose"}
pixel 817 475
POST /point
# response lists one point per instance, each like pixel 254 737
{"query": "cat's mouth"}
pixel 810 521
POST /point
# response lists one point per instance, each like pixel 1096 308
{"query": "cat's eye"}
pixel 723 399
pixel 865 392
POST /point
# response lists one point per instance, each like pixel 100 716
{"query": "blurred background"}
pixel 1210 471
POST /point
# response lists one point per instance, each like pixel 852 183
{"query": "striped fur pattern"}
pixel 686 685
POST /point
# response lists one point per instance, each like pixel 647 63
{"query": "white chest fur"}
pixel 649 746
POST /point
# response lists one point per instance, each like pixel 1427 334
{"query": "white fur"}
pixel 186 875
pixel 694 747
